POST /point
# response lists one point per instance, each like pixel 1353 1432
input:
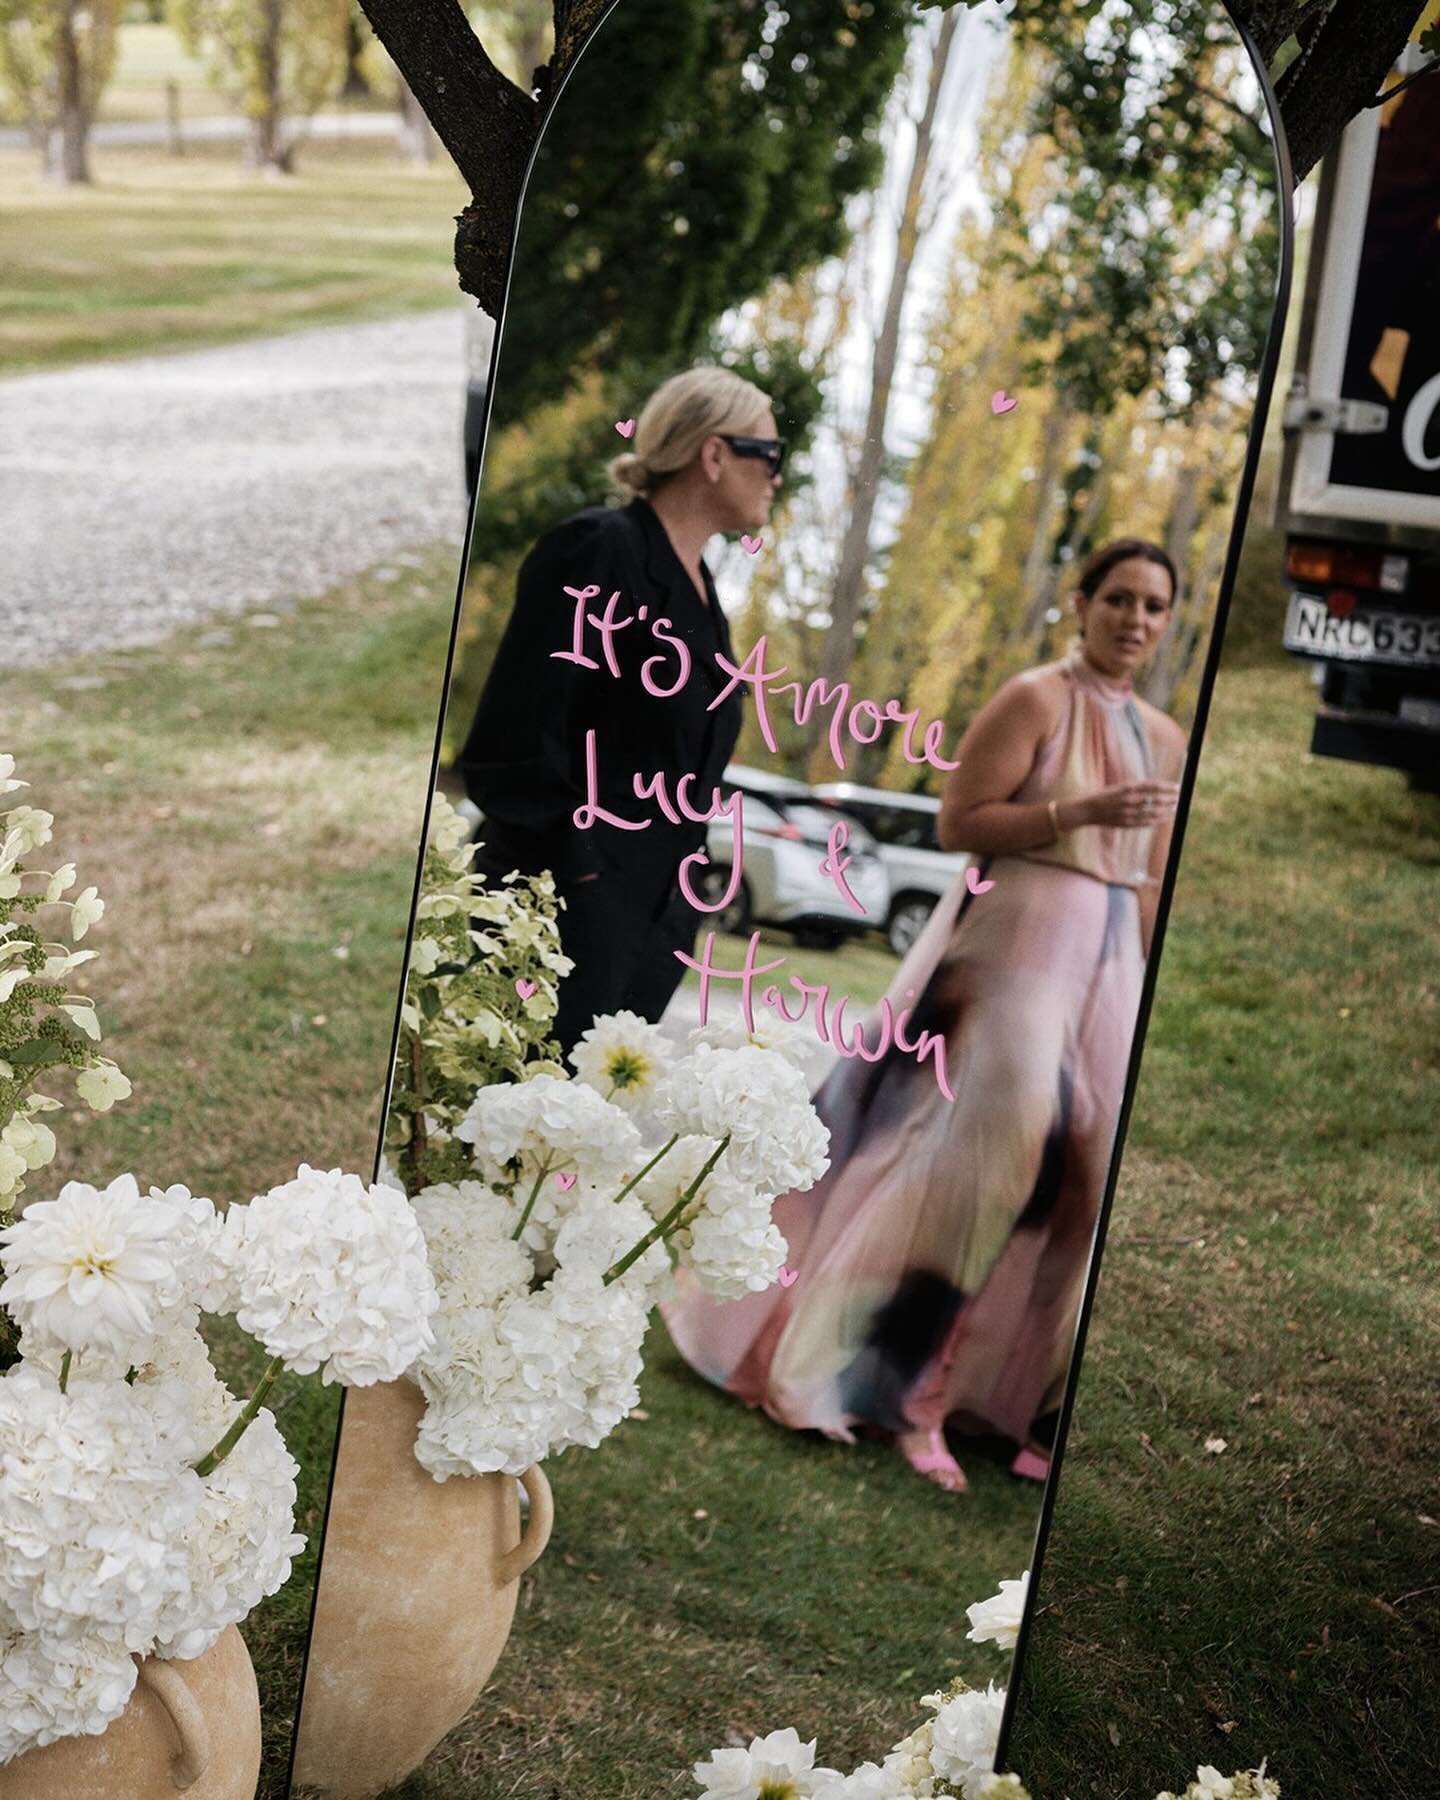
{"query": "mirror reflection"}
pixel 866 428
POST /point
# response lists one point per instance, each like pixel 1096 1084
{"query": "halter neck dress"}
pixel 942 1258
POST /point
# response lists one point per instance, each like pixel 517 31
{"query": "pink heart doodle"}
pixel 1001 402
pixel 788 1277
pixel 974 883
pixel 751 546
pixel 566 1182
pixel 525 988
pixel 626 427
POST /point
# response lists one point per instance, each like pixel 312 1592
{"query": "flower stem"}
pixel 671 1219
pixel 65 1370
pixel 212 1458
pixel 530 1203
pixel 635 1180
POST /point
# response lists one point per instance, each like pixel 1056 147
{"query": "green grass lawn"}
pixel 255 846
pixel 167 253
pixel 713 1577
pixel 148 57
pixel 1269 1283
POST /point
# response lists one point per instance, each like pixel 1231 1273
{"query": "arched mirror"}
pixel 869 420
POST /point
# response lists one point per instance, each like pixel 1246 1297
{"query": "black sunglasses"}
pixel 770 450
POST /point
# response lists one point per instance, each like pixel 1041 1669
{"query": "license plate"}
pixel 1311 629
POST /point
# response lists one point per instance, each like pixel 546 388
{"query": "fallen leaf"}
pixel 1112 1731
pixel 1216 1446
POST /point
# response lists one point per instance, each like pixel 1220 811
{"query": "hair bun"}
pixel 628 473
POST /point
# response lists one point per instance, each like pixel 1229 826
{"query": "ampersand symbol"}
pixel 834 865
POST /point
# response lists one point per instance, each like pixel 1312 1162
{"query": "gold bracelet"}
pixel 1051 807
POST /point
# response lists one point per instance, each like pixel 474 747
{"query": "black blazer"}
pixel 524 759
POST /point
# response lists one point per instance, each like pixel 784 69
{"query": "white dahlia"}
pixel 966 1730
pixel 777 1767
pixel 102 1271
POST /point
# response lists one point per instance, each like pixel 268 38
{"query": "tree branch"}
pixel 488 125
pixel 485 229
pixel 1344 68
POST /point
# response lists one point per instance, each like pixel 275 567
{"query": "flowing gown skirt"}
pixel 942 1258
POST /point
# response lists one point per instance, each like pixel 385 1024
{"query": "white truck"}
pixel 1359 495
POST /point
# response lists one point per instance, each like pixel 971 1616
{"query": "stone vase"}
pixel 191 1728
pixel 418 1585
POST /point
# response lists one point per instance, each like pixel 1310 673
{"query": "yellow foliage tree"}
pixel 55 58
pixel 279 59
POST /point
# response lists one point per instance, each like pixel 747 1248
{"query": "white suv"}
pixel 920 871
pixel 787 834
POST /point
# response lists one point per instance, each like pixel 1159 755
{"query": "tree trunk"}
pixel 1038 576
pixel 67 159
pixel 417 136
pixel 848 594
pixel 268 151
pixel 356 85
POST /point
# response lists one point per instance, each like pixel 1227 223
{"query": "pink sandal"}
pixel 1030 1465
pixel 936 1463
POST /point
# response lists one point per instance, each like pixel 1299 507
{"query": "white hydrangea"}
pixel 759 1100
pixel 736 1248
pixel 523 1367
pixel 623 1057
pixel 101 1085
pixel 727 1236
pixel 908 1764
pixel 93 1507
pixel 966 1729
pixel 598 1232
pixel 777 1767
pixel 240 1544
pixel 100 1271
pixel 32 1142
pixel 58 1686
pixel 797 1043
pixel 552 1124
pixel 329 1273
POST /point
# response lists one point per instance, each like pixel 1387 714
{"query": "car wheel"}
pixel 815 937
pixel 907 921
pixel 735 917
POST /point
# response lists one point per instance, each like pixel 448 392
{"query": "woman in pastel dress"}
pixel 942 1259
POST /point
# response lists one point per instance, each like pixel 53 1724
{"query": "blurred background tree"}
pixel 279 60
pixel 55 59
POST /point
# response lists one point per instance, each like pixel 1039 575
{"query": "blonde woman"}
pixel 607 670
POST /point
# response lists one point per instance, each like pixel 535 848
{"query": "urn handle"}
pixel 171 1689
pixel 537 1527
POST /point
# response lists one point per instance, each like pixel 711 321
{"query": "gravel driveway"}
pixel 144 494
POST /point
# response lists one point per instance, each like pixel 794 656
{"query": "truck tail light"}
pixel 1340 565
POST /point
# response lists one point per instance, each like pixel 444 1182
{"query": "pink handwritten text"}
pixel 828 1016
